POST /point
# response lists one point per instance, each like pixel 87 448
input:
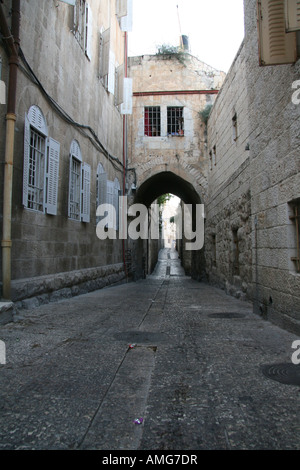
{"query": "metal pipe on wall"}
pixel 13 42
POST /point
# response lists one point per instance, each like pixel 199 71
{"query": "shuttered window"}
pixel 292 10
pixel 110 195
pixel 41 165
pixel 52 175
pixel 85 192
pixel 104 56
pixel 83 28
pixel 75 185
pixel 126 107
pixel 275 45
pixel 126 21
pixel 79 186
pixel 119 85
pixel 121 8
pixel 111 73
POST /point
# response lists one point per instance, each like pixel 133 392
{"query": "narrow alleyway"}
pixel 181 355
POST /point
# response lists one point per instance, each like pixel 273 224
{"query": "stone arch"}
pixel 169 179
pixel 166 181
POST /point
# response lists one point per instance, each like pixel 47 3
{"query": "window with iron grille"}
pixel 295 218
pixel 152 121
pixel 41 164
pixel 83 25
pixel 175 121
pixel 75 186
pixel 36 171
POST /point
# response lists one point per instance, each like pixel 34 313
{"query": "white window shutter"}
pixel 120 85
pixel 126 107
pixel 104 59
pixel 89 31
pixel 111 73
pixel 52 176
pixel 86 187
pixel 111 201
pixel 275 45
pixel 26 160
pixel 121 8
pixel 126 21
pixel 292 11
pixel 70 184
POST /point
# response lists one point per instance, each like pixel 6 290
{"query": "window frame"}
pixel 152 120
pixel 175 123
pixel 82 26
pixel 47 166
pixel 82 183
pixel 294 217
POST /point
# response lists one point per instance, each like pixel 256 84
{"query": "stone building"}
pixel 166 134
pixel 247 173
pixel 71 146
pixel 70 121
pixel 252 236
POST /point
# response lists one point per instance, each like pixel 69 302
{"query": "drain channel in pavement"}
pixel 226 315
pixel 288 373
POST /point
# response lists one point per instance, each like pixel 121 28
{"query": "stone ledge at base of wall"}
pixel 238 289
pixel 32 292
pixel 8 311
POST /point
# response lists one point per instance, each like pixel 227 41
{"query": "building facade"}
pixel 252 236
pixel 166 133
pixel 69 144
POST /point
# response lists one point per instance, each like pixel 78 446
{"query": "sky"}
pixel 215 28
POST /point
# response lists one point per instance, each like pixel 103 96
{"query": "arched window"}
pixel 41 164
pixel 79 185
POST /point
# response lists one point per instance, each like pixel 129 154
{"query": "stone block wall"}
pixel 42 244
pixel 254 179
pixel 228 246
pixel 274 122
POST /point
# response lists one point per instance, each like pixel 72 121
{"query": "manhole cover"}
pixel 139 337
pixel 226 315
pixel 288 374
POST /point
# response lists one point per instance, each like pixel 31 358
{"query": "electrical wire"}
pixel 62 113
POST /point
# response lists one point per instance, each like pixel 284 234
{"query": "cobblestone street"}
pixel 183 356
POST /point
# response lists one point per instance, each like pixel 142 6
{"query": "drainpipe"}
pixel 13 42
pixel 125 152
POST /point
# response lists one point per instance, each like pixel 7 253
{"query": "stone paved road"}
pixel 194 375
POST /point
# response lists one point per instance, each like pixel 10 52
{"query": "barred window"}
pixel 83 25
pixel 295 218
pixel 79 185
pixel 175 121
pixel 36 171
pixel 152 121
pixel 75 183
pixel 41 164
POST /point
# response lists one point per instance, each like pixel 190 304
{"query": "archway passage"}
pixel 157 185
pixel 166 182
